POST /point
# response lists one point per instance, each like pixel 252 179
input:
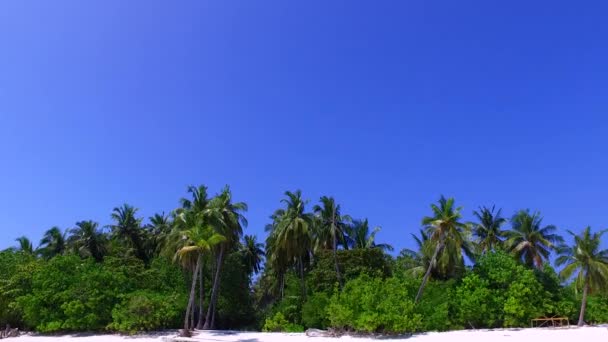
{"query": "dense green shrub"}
pixel 353 263
pixel 71 294
pixel 374 305
pixel 436 306
pixel 499 292
pixel 278 323
pixel 235 304
pixel 314 311
pixel 145 310
pixel 16 273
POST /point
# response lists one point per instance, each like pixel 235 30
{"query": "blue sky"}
pixel 383 105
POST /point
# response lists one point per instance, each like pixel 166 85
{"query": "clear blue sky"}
pixel 383 104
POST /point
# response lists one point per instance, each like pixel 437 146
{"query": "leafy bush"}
pixel 314 311
pixel 145 310
pixel 17 269
pixel 499 292
pixel 374 305
pixel 353 263
pixel 278 323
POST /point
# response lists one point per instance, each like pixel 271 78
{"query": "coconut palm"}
pixel 331 228
pixel 416 262
pixel 53 243
pixel 159 228
pixel 589 261
pixel 227 218
pixel 25 245
pixel 198 240
pixel 445 231
pixel 88 240
pixel 253 253
pixel 291 238
pixel 127 228
pixel 529 241
pixel 488 230
pixel 359 236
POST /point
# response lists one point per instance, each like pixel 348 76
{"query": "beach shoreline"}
pixel 587 334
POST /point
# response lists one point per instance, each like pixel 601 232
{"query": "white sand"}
pixel 587 334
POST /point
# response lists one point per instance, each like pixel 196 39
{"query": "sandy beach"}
pixel 586 334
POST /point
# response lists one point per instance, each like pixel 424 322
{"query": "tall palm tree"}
pixel 25 245
pixel 53 243
pixel 199 240
pixel 159 228
pixel 445 230
pixel 360 236
pixel 227 218
pixel 332 228
pixel 591 263
pixel 488 229
pixel 127 228
pixel 291 236
pixel 253 253
pixel 88 240
pixel 276 255
pixel 529 241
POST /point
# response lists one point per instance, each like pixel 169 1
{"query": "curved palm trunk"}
pixel 425 279
pixel 214 291
pixel 189 309
pixel 201 294
pixel 581 317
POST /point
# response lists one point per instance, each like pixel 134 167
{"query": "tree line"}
pixel 194 268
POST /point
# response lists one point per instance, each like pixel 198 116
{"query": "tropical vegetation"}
pixel 196 267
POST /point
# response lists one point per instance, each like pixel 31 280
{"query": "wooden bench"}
pixel 550 322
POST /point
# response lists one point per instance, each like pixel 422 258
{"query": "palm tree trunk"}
pixel 335 250
pixel 200 298
pixel 302 283
pixel 282 284
pixel 214 291
pixel 581 317
pixel 425 279
pixel 192 293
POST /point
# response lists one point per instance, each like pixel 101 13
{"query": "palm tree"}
pixel 159 228
pixel 53 243
pixel 227 218
pixel 530 242
pixel 331 228
pixel 199 240
pixel 444 229
pixel 488 229
pixel 88 240
pixel 291 238
pixel 361 237
pixel 591 263
pixel 193 212
pixel 253 253
pixel 25 245
pixel 127 228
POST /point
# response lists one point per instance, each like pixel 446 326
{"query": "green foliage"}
pixel 18 268
pixel 146 310
pixel 499 292
pixel 314 311
pixel 71 294
pixel 278 323
pixel 436 306
pixel 374 305
pixel 597 309
pixel 353 263
pixel 235 304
